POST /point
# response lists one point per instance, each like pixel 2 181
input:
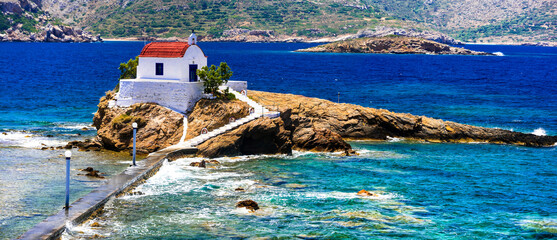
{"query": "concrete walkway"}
pixel 83 208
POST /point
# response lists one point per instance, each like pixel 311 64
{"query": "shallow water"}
pixel 49 92
pixel 431 191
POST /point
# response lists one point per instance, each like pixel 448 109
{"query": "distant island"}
pixel 392 44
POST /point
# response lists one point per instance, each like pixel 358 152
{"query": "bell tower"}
pixel 192 40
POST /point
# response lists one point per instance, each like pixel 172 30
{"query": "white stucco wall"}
pixel 172 89
pixel 237 85
pixel 176 95
pixel 174 68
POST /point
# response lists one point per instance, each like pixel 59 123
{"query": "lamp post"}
pixel 134 125
pixel 68 155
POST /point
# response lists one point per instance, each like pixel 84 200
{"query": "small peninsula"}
pixel 215 117
pixel 306 124
pixel 392 44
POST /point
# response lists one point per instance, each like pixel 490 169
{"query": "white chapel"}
pixel 166 75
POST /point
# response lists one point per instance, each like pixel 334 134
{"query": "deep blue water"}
pixel 45 83
pixel 444 190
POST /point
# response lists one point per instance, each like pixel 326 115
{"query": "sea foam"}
pixel 28 140
pixel 539 132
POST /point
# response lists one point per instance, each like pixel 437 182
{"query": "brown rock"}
pixel 215 113
pixel 365 193
pixel 357 122
pixel 214 162
pixel 396 45
pixel 319 139
pixel 248 204
pixel 86 145
pixel 261 136
pixel 95 224
pixel 239 189
pixel 94 174
pixel 201 164
pixel 159 127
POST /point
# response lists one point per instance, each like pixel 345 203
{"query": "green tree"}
pixel 213 77
pixel 129 70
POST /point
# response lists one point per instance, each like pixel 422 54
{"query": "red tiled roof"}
pixel 164 49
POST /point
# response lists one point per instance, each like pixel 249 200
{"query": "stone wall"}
pixel 176 95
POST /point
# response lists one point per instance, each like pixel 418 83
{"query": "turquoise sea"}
pixel 422 190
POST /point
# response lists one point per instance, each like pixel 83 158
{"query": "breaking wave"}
pixel 539 132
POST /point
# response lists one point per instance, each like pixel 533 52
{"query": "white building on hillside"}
pixel 166 75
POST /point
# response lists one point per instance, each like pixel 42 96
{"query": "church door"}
pixel 193 72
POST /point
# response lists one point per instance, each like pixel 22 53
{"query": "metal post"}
pixel 338 97
pixel 134 125
pixel 68 157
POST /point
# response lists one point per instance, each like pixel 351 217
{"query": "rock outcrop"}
pixel 158 127
pixel 48 33
pixel 212 114
pixel 356 122
pixel 248 204
pixel 396 45
pixel 261 136
pixel 20 6
pixel 305 123
pixel 245 35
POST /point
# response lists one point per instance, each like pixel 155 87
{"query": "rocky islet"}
pixel 391 44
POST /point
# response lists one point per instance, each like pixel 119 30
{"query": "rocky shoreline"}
pixel 394 45
pixel 307 124
pixel 49 33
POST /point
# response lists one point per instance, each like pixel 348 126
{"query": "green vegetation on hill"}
pixel 4 22
pixel 539 23
pixel 9 20
pixel 177 17
pixel 467 20
pixel 477 19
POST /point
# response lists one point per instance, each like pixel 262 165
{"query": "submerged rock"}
pixel 201 164
pixel 92 172
pixel 85 145
pixel 248 204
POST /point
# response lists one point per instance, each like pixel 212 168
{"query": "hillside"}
pixel 474 20
pixel 466 20
pixel 177 17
